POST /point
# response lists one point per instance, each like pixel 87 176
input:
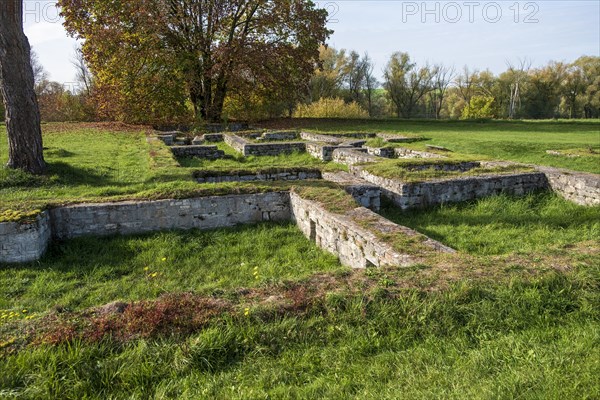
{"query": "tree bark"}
pixel 25 150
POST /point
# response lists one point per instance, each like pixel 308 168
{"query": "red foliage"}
pixel 172 314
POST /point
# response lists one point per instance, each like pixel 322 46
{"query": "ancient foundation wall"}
pixel 579 187
pixel 425 194
pixel 385 152
pixel 283 135
pixel 352 156
pixel 355 245
pixel 273 149
pixel 365 193
pixel 150 216
pixel 24 242
pixel 236 142
pixel 315 137
pixel 210 152
pixel 402 152
pixel 248 148
pixel 283 175
pixel 324 151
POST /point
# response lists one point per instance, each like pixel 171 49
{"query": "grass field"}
pixel 501 224
pixel 260 312
pixel 519 340
pixel 522 141
pixel 81 273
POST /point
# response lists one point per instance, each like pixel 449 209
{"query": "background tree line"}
pixel 408 90
pixel 343 84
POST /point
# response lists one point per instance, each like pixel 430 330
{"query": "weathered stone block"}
pixel 24 242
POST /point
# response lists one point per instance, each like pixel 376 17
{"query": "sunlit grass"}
pixel 504 224
pixel 521 141
pixel 521 340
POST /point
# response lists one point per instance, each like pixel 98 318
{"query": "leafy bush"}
pixel 330 108
pixel 480 107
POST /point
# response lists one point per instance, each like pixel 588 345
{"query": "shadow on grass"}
pixel 64 174
pixel 67 174
pixel 118 252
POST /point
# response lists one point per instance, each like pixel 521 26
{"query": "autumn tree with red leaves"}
pixel 151 56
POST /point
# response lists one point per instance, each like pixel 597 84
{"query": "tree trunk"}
pixel 216 109
pixel 25 150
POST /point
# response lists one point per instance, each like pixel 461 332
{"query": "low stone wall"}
pixel 355 245
pixel 323 151
pixel 462 166
pixel 426 194
pixel 248 148
pixel 385 152
pixel 285 135
pixel 352 156
pixel 366 194
pixel 579 187
pixel 391 138
pixel 212 137
pixel 356 135
pixel 210 152
pixel 438 148
pixel 151 216
pixel 250 135
pixel 402 152
pixel 354 143
pixel 24 242
pixel 315 137
pixel 355 237
pixel 243 176
pixel 273 149
pixel 236 142
pixel 168 137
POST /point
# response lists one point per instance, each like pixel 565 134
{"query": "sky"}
pixel 480 34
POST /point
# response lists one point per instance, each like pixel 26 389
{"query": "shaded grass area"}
pixel 521 141
pixel 86 272
pixel 525 339
pixel 504 224
pixel 83 163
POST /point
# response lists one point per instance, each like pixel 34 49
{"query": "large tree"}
pixel 212 47
pixel 406 84
pixel 25 150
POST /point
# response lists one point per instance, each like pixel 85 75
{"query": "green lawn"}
pixel 502 224
pixel 534 340
pixel 83 163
